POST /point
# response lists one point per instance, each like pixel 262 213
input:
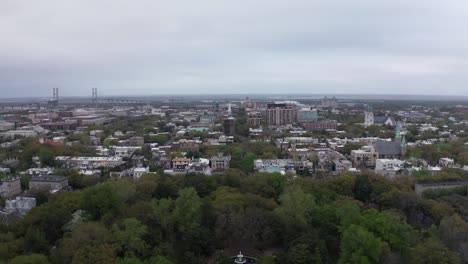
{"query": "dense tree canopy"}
pixel 355 218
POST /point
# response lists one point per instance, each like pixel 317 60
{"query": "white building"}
pixel 388 164
pixel 446 162
pixel 266 163
pixel 157 112
pixel 4 126
pixel 125 151
pixel 21 205
pixel 38 171
pixel 342 165
pixel 364 157
pixel 90 162
pixel 138 172
pixel 102 151
pixel 368 118
pixel 18 133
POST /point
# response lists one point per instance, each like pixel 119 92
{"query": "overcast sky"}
pixel 244 46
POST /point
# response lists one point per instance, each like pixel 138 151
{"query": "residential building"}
pixel 388 164
pixel 187 145
pixel 201 166
pixel 10 187
pixel 388 167
pixel 136 141
pixel 48 182
pixel 220 163
pixel 54 126
pixel 321 125
pixel 446 162
pixel 342 165
pixel 89 162
pixel 276 165
pixel 12 134
pixel 278 114
pixel 180 163
pixel 306 115
pixel 21 205
pixel 125 151
pixel 229 126
pixel 254 119
pixel 5 170
pixel 364 157
pixel 256 132
pixel 10 162
pixel 121 171
pixel 90 120
pixel 5 126
pixel 137 161
pixel 329 102
pixel 164 162
pixel 138 172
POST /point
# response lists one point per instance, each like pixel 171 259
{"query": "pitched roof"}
pixel 181 159
pixel 388 148
pixel 383 119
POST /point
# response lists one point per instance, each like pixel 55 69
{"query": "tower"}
pixel 229 126
pixel 403 146
pixel 55 94
pixel 54 101
pixel 229 111
pixel 229 123
pixel 368 117
pixel 398 132
pixel 94 96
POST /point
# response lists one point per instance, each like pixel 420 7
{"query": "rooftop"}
pixel 48 178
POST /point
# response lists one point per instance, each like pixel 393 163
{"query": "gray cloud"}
pixel 211 46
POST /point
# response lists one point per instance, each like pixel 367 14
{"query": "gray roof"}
pixel 388 148
pixel 223 158
pixel 48 178
pixel 382 119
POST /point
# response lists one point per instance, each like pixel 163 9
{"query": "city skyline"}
pixel 213 47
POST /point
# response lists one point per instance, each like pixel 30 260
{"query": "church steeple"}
pixel 398 131
pixel 403 145
pixel 368 116
pixel 229 109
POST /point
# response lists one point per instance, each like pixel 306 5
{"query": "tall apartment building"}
pixel 254 119
pixel 364 157
pixel 307 115
pixel 279 114
pixel 330 102
pixel 229 126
